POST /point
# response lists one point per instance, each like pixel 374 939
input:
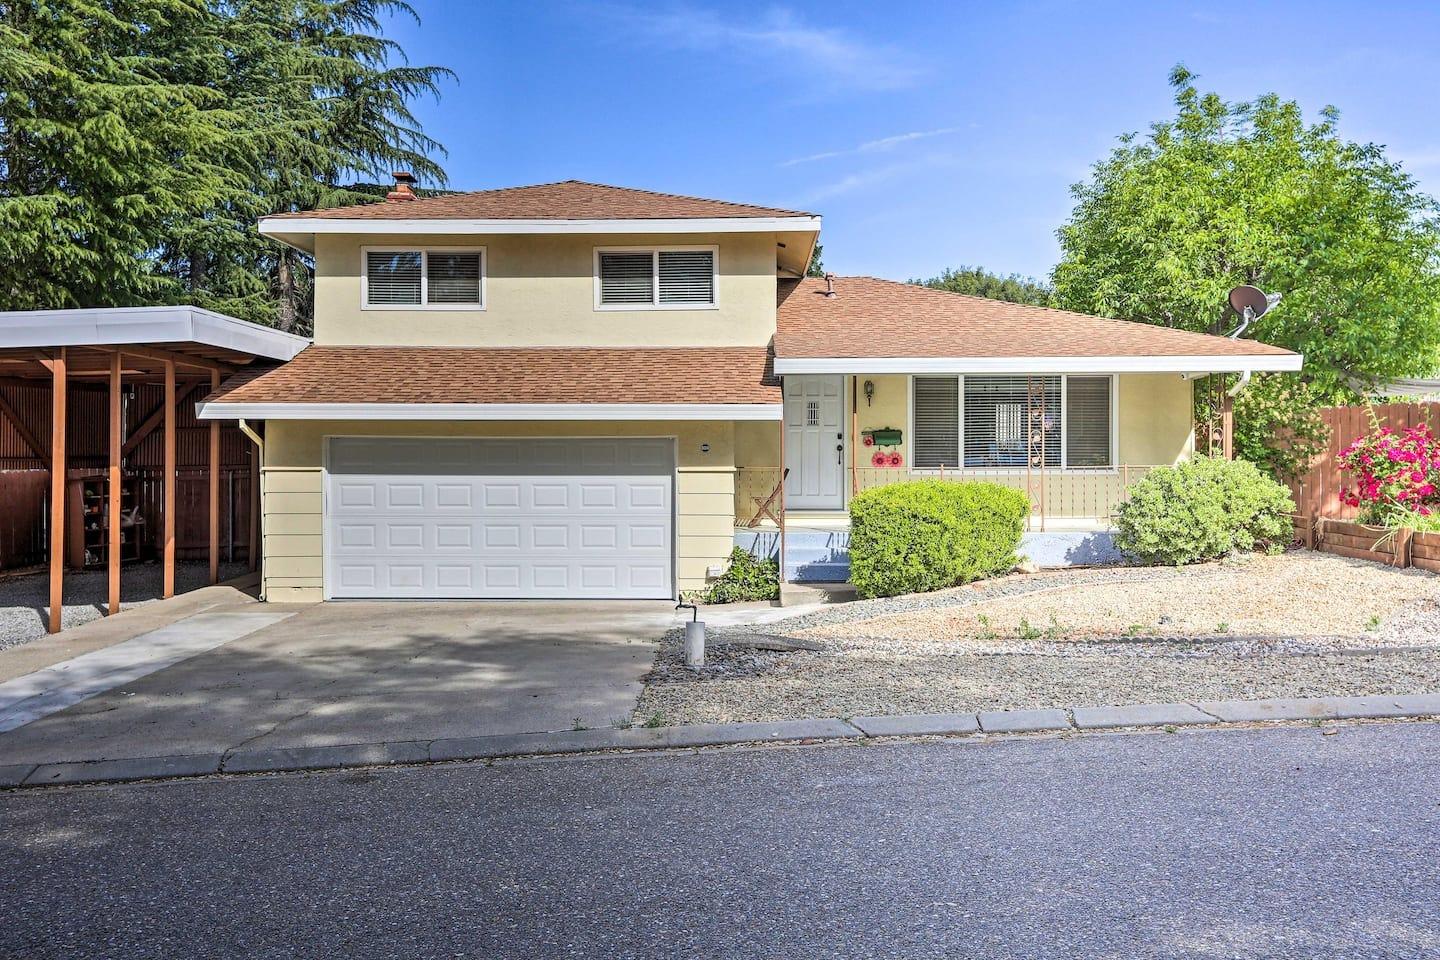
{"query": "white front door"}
pixel 815 442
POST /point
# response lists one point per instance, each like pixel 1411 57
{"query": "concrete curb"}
pixel 1205 712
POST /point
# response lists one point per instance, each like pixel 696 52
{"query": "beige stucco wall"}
pixel 293 507
pixel 540 291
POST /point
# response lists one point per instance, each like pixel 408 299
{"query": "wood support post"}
pixel 215 488
pixel 57 490
pixel 214 477
pixel 112 511
pixel 168 536
pixel 781 539
pixel 1227 428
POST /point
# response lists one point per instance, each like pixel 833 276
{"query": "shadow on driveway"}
pixel 363 672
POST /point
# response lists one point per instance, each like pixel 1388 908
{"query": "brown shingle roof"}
pixel 326 374
pixel 881 318
pixel 569 200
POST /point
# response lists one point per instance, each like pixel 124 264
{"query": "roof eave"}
pixel 299 232
pixel 1194 364
pixel 118 326
pixel 221 410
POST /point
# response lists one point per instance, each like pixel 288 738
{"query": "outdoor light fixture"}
pixel 869 392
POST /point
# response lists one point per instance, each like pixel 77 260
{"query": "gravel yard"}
pixel 25 598
pixel 1301 624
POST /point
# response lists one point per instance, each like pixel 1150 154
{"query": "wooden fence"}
pixel 1317 494
pixel 1396 548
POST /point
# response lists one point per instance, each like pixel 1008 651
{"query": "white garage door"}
pixel 502 519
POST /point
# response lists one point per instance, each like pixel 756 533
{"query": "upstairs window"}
pixel 631 279
pixel 437 279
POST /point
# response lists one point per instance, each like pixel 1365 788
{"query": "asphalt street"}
pixel 1282 842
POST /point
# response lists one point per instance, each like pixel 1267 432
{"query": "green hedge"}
pixel 1203 509
pixel 931 534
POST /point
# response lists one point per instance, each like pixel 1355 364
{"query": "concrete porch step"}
pixel 795 594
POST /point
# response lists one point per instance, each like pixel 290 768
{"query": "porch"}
pixel 1070 523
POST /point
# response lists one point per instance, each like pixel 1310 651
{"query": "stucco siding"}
pixel 293 488
pixel 540 291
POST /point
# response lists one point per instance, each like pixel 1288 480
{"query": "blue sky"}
pixel 927 135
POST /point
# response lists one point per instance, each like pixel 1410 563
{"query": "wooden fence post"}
pixel 1404 538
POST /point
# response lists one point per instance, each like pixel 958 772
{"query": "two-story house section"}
pixel 580 391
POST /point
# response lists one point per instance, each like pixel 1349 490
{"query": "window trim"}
pixel 655 251
pixel 1114 466
pixel 424 252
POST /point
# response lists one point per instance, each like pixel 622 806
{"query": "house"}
pixel 576 390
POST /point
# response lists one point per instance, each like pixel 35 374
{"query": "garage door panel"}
pixel 499 518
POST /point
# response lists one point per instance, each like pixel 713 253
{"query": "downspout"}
pixel 259 442
pixel 1239 386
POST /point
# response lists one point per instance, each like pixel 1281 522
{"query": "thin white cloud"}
pixel 873 146
pixel 823 56
pixel 876 175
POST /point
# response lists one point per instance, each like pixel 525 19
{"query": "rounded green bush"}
pixel 931 534
pixel 1203 509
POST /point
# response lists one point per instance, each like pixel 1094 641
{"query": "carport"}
pixel 108 385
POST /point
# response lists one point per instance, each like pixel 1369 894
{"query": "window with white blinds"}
pixel 1087 422
pixel 636 279
pixel 627 278
pixel 443 279
pixel 997 420
pixel 937 423
pixel 981 422
pixel 392 277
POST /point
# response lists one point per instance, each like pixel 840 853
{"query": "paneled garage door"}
pixel 521 518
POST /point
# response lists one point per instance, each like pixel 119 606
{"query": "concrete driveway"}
pixel 363 672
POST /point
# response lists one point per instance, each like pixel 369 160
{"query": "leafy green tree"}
pixel 979 282
pixel 108 137
pixel 141 139
pixel 816 267
pixel 1231 193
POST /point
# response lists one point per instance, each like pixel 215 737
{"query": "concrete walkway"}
pixel 1057 721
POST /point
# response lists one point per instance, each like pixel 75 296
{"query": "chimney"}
pixel 830 285
pixel 404 187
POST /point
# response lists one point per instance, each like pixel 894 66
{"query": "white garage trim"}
pixel 499 517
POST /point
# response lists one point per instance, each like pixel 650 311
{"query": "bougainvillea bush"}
pixel 1396 475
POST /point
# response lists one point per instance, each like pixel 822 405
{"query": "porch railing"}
pixel 1077 494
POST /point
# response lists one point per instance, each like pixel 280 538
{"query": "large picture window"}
pixel 979 422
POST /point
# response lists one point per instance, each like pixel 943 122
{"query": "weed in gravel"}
pixel 1054 631
pixel 1027 632
pixel 1373 623
pixel 653 721
pixel 577 725
pixel 622 723
pixel 1171 728
pixel 1135 629
pixel 987 632
pixel 1222 627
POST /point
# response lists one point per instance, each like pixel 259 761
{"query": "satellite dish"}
pixel 1248 298
pixel 1250 302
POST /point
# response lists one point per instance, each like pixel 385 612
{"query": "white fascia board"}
pixel 117 326
pixel 291 226
pixel 219 410
pixel 1191 364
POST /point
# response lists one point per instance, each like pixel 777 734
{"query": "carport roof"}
pixel 515 383
pixel 189 335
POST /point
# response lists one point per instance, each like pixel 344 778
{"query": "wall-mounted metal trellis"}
pixel 1037 426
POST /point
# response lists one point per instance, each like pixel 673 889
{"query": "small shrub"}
pixel 1203 509
pixel 747 578
pixel 924 535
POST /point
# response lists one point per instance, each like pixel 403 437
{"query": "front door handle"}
pixel 840 453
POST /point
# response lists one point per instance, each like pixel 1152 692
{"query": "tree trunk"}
pixel 285 313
